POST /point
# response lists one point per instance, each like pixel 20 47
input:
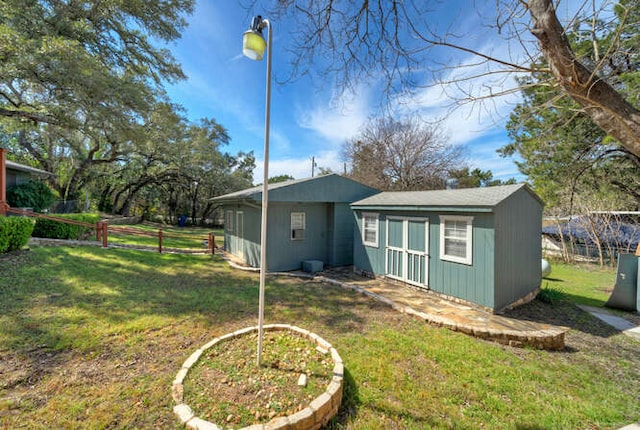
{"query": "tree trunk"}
pixel 606 107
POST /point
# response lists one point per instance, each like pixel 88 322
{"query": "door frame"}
pixel 405 253
pixel 239 248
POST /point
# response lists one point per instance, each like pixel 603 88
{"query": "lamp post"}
pixel 253 46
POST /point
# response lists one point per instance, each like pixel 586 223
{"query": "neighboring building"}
pixel 19 173
pixel 477 245
pixel 13 174
pixel 308 219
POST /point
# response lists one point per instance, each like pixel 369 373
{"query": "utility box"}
pixel 312 266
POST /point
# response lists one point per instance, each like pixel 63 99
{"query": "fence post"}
pixel 105 235
pixel 212 243
pixel 98 231
pixel 160 240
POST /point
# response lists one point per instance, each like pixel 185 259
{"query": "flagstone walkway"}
pixel 441 312
pixel 438 311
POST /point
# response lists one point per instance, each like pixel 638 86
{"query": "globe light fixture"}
pixel 253 46
pixel 253 43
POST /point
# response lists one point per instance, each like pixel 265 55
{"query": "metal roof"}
pixel 323 188
pixel 22 168
pixel 256 191
pixel 486 197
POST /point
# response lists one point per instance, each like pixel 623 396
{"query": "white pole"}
pixel 265 197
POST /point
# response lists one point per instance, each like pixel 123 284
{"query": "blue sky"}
pixel 309 117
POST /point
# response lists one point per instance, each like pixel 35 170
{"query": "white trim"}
pixel 239 235
pixel 468 258
pixel 373 244
pixel 295 232
pixel 405 252
pixel 228 222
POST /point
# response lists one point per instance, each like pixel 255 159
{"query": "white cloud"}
pixel 337 119
pixel 299 167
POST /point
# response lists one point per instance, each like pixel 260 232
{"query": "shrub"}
pixel 53 229
pixel 31 194
pixel 14 233
pixel 550 295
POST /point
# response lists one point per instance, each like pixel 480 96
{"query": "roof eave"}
pixel 482 209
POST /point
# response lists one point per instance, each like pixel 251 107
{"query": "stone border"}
pixel 313 417
pixel 549 338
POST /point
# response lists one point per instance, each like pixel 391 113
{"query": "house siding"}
pixel 518 248
pixel 341 235
pixel 329 224
pixel 367 258
pixel 473 282
pixel 286 254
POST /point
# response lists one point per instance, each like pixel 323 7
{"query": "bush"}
pixel 53 229
pixel 14 233
pixel 550 295
pixel 32 194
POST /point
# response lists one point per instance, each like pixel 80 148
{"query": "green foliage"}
pixel 14 233
pixel 31 194
pixel 52 229
pixel 80 89
pixel 280 178
pixel 477 178
pixel 563 152
pixel 550 295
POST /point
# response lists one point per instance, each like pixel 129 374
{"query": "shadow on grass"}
pixel 563 313
pixel 61 298
pixel 350 403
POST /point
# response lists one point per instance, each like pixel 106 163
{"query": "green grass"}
pixel 92 338
pixel 173 237
pixel 584 284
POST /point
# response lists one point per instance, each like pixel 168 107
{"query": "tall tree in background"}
pixel 397 39
pixel 88 64
pixel 564 151
pixel 400 155
pixel 476 178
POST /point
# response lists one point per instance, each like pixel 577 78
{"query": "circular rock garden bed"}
pixel 298 385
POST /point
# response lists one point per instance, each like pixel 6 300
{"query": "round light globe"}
pixel 253 45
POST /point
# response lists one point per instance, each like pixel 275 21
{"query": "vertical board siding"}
pixel 286 254
pixel 518 248
pixel 473 282
pixel 341 253
pixel 368 258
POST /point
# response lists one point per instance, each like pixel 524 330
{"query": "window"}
pixel 297 225
pixel 370 229
pixel 456 238
pixel 228 224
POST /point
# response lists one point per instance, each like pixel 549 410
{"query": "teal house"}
pixel 308 220
pixel 476 245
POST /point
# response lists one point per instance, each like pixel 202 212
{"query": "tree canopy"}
pixel 564 151
pixel 397 39
pixel 82 96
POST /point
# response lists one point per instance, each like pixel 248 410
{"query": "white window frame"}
pixel 468 259
pixel 376 217
pixel 297 225
pixel 228 222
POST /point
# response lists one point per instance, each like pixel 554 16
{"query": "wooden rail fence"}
pixel 103 230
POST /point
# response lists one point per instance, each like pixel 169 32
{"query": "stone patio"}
pixel 438 311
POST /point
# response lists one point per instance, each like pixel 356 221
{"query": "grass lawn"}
pixel 586 284
pixel 173 236
pixel 92 338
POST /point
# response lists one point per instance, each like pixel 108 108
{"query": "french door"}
pixel 407 250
